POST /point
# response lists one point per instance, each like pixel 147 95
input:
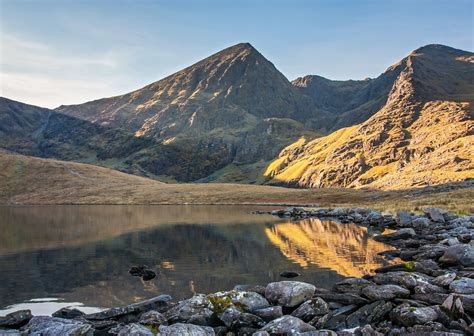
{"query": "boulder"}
pixel 68 313
pixel 248 301
pixel 153 318
pixel 287 325
pixel 233 318
pixel 289 293
pixel 462 286
pixel 183 329
pixel 397 235
pixel 426 288
pixel 251 288
pixel 198 305
pixel 310 309
pixel 159 303
pixel 351 285
pixel 15 319
pixel 421 223
pixel 409 316
pixel 444 280
pixel 369 314
pixel 54 326
pixel 385 292
pixel 406 279
pixel 461 254
pixel 404 219
pixel 435 214
pixel 270 313
pixel 132 329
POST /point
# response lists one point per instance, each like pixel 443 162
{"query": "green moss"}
pixel 155 330
pixel 220 303
pixel 412 309
pixel 409 265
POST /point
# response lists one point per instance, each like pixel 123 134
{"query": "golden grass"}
pixel 29 180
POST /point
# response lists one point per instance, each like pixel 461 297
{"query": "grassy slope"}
pixel 28 180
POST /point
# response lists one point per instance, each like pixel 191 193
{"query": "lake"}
pixel 56 256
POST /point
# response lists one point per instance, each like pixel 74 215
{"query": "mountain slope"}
pixel 423 135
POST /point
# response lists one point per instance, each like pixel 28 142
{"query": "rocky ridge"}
pixel 431 292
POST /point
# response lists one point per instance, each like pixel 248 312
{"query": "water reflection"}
pixel 82 253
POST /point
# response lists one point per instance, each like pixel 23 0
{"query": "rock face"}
pixel 400 145
pixel 289 293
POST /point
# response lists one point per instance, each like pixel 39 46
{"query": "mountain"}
pixel 233 107
pixel 422 135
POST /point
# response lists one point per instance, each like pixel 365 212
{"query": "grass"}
pixel 29 180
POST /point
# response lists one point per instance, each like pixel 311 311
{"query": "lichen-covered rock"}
pixel 310 309
pixel 409 316
pixel 15 319
pixel 462 286
pixel 444 280
pixel 183 329
pixel 289 293
pixel 287 325
pixel 385 292
pixel 406 279
pixel 404 219
pixel 372 313
pixel 68 313
pixel 234 318
pixel 351 285
pixel 55 326
pixel 420 223
pixel 248 301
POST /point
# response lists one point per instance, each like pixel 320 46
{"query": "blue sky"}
pixel 56 52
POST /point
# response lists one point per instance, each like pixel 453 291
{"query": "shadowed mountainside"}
pixel 422 136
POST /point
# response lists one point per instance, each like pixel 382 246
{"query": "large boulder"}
pixel 15 319
pixel 289 293
pixel 55 326
pixel 462 286
pixel 409 316
pixel 183 329
pixel 287 325
pixel 461 254
pixel 385 292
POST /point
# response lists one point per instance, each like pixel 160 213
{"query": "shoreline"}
pixel 430 291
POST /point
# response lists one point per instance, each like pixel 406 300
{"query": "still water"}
pixel 56 256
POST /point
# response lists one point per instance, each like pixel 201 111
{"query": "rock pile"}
pixel 429 291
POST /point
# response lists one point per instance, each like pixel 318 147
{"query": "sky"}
pixel 55 52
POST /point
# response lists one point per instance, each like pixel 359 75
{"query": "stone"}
pixel 397 235
pixel 462 286
pixel 287 325
pixel 404 219
pixel 444 280
pixel 183 329
pixel 145 272
pixel 332 322
pixel 409 316
pixel 251 288
pixel 369 314
pixel 199 304
pixel 310 309
pixel 426 288
pixel 52 326
pixel 9 332
pixel 351 285
pixel 15 319
pixel 132 329
pixel 289 293
pixel 461 254
pixel 384 292
pixel 249 301
pixel 289 274
pixel 153 318
pixel 405 279
pixel 68 313
pixel 435 214
pixel 270 313
pixel 233 318
pixel 345 299
pixel 421 223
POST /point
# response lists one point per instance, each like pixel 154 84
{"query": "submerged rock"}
pixel 289 274
pixel 289 293
pixel 145 272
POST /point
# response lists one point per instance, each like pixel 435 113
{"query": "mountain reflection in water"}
pixel 83 253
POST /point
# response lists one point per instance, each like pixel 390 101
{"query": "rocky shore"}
pixel 428 290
